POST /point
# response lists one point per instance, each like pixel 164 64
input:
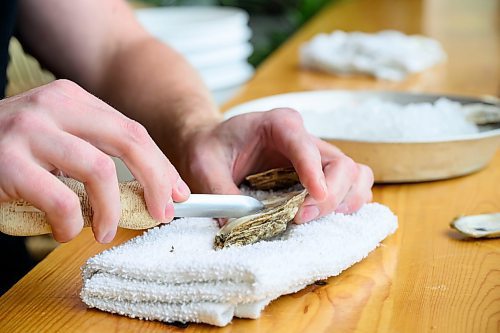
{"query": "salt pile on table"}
pixel 378 120
pixel 389 55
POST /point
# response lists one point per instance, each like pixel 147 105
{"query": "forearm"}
pixel 154 85
pixel 102 47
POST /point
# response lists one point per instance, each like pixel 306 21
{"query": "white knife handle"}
pixel 20 218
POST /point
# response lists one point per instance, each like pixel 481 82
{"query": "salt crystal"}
pixel 379 120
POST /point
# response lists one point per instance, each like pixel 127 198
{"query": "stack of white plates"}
pixel 215 40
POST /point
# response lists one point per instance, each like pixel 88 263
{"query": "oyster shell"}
pixel 274 179
pixel 478 226
pixel 279 209
pixel 482 114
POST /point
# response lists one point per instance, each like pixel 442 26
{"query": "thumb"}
pixel 221 182
pixel 215 178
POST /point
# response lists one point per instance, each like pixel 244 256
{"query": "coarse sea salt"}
pixel 379 120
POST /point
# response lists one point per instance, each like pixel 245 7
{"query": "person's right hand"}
pixel 60 127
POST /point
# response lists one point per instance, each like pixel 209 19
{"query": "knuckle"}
pixel 103 167
pixel 286 112
pixel 39 97
pixel 24 121
pixel 368 172
pixel 349 166
pixel 163 179
pixel 65 85
pixel 288 117
pixel 168 179
pixel 136 132
pixel 65 206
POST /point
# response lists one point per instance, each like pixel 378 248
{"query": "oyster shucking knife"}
pixel 19 218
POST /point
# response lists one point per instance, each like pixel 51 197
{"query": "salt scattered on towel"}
pixel 379 120
pixel 389 55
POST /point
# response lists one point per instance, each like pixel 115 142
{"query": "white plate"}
pixel 226 76
pixel 402 160
pixel 208 42
pixel 191 29
pixel 220 56
pixel 191 18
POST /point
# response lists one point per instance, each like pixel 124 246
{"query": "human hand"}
pixel 61 128
pixel 217 157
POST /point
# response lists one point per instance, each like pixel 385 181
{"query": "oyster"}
pixel 482 114
pixel 279 209
pixel 478 226
pixel 274 179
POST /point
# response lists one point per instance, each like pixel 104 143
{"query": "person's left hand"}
pixel 217 157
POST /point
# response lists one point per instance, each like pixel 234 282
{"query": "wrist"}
pixel 178 132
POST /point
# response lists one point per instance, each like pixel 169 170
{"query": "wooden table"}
pixel 424 278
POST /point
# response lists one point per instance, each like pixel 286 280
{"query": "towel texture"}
pixel 389 55
pixel 172 273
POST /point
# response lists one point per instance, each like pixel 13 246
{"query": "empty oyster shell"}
pixel 478 226
pixel 482 114
pixel 279 209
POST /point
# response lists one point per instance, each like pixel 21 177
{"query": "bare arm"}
pixel 60 127
pixel 101 46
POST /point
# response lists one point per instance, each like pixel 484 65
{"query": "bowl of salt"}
pixel 403 137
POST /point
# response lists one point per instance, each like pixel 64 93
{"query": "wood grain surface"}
pixel 424 278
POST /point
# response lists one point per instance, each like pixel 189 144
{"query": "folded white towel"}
pixel 389 54
pixel 172 273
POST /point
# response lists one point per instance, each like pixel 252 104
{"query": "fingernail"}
pixel 183 188
pixel 108 237
pixel 343 208
pixel 309 213
pixel 169 211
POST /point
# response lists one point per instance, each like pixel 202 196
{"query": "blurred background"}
pixel 271 22
pixel 225 40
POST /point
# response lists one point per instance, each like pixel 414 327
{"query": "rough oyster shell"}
pixel 478 226
pixel 274 179
pixel 482 114
pixel 280 209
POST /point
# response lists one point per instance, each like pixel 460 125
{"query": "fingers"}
pixel 359 193
pixel 62 126
pixel 285 130
pixel 83 115
pixel 340 174
pixel 42 189
pixel 349 187
pixel 96 170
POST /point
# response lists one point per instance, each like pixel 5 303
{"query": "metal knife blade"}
pixel 217 205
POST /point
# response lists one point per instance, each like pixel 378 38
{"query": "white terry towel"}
pixel 172 273
pixel 389 54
